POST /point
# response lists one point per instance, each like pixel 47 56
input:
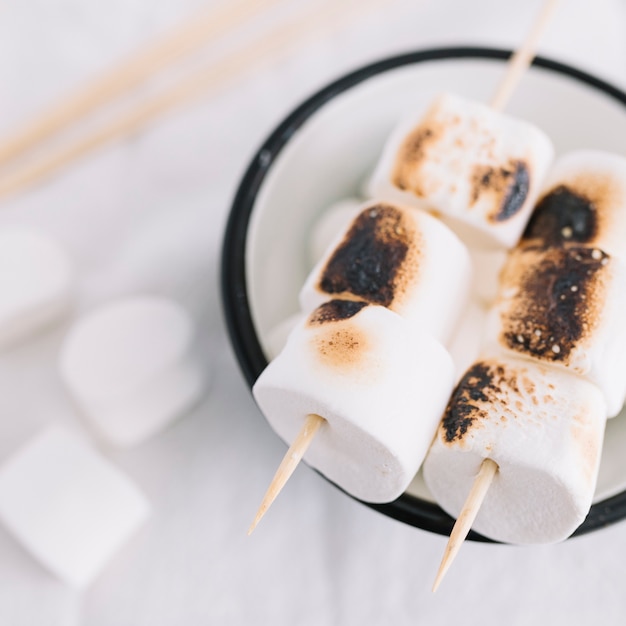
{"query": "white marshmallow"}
pixel 132 367
pixel 333 221
pixel 542 426
pixel 380 384
pixel 583 203
pixel 466 343
pixel 277 337
pixel 487 265
pixel 36 283
pixel 398 257
pixel 478 169
pixel 566 307
pixel 68 505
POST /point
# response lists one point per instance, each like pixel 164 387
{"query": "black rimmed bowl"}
pixel 324 150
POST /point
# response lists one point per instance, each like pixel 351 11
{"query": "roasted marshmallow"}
pixel 400 258
pixel 542 426
pixel 380 383
pixel 478 169
pixel 583 203
pixel 565 307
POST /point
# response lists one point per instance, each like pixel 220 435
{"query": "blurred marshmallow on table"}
pixel 132 367
pixel 36 284
pixel 68 505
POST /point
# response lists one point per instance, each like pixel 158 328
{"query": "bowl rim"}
pixel 407 508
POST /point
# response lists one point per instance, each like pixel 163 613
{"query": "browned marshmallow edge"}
pixel 575 211
pixel 506 185
pixel 337 340
pixel 556 300
pixel 415 150
pixel 500 392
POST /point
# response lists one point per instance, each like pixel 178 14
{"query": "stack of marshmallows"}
pixel 553 365
pixel 457 184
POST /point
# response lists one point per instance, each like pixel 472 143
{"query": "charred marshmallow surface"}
pixel 475 168
pixel 400 258
pixel 565 306
pixel 378 257
pixel 544 429
pixel 381 385
pixel 560 218
pixel 558 302
pixel 583 203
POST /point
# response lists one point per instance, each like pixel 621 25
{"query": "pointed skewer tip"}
pixel 463 524
pixel 289 463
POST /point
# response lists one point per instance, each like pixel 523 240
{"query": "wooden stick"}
pixel 482 482
pixel 183 41
pixel 521 60
pixel 518 64
pixel 330 14
pixel 288 465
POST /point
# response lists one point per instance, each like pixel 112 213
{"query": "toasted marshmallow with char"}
pixel 333 220
pixel 543 427
pixel 380 384
pixel 583 203
pixel 565 307
pixel 400 258
pixel 476 168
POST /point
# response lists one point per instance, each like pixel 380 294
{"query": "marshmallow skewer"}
pixel 482 482
pixel 289 463
pixel 522 58
pixel 403 261
pixel 518 64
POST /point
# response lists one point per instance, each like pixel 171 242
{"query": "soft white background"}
pixel 146 215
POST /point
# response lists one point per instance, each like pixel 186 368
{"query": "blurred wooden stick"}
pixel 130 73
pixel 332 13
pixel 522 58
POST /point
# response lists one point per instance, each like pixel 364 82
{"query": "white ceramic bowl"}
pixel 325 149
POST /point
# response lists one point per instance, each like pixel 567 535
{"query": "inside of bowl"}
pixel 331 154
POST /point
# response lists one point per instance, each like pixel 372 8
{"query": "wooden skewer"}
pixel 482 482
pixel 183 41
pixel 289 463
pixel 521 60
pixel 332 13
pixel 518 64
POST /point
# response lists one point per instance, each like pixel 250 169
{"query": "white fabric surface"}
pixel 145 215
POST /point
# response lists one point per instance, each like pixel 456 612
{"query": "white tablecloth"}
pixel 146 215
